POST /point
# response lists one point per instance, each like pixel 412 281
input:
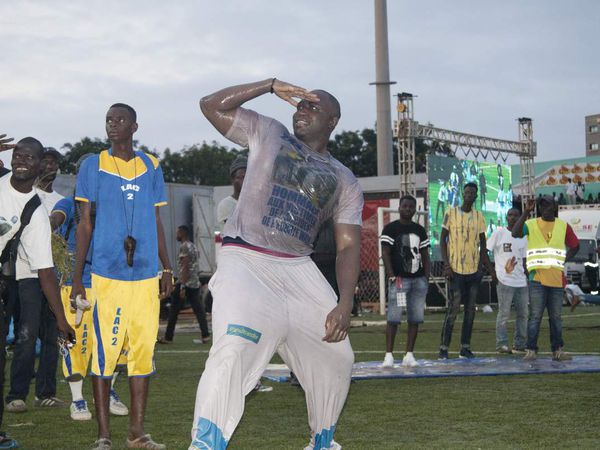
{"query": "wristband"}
pixel 272 83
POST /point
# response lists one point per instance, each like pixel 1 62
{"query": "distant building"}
pixel 592 135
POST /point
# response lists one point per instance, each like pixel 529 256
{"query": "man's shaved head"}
pixel 335 105
pixel 33 144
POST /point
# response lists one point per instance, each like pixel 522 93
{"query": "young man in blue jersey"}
pixel 127 188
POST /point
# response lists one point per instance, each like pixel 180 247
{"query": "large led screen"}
pixel 447 176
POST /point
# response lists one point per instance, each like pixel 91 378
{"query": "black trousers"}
pixel 192 295
pixel 35 320
pixel 4 322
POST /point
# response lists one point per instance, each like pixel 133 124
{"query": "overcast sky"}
pixel 476 66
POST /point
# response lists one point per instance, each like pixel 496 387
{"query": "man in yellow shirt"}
pixel 550 242
pixel 463 246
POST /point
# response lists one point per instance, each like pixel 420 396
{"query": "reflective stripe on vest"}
pixel 542 254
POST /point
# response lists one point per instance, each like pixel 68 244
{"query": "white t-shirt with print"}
pixel 289 189
pixel 504 247
pixel 34 251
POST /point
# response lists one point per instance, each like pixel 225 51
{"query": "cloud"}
pixel 475 67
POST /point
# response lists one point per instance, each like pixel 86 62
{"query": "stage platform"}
pixel 455 367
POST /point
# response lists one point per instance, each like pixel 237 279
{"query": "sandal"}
pixel 102 444
pixel 146 442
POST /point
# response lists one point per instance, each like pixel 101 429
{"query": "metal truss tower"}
pixel 407 130
pixel 526 159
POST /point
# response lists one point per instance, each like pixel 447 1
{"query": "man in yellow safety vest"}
pixel 550 242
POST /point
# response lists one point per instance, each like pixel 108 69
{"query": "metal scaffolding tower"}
pixel 526 159
pixel 405 127
pixel 407 130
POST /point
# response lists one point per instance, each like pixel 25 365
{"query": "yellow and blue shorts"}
pixel 124 311
pixel 77 358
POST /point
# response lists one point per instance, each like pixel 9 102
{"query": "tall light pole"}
pixel 385 161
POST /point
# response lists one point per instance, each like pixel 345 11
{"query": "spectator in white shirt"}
pixel 509 253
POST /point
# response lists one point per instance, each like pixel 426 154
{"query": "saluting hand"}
pixel 289 93
pixel 5 143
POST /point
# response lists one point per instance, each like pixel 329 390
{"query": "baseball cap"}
pixel 51 151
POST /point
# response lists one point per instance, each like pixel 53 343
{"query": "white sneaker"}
pixel 117 407
pixel 388 361
pixel 409 360
pixel 80 411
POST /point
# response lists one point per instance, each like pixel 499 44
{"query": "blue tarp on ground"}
pixel 504 365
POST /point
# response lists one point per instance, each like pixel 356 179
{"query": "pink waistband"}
pixel 266 251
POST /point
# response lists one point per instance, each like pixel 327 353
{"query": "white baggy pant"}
pixel 264 304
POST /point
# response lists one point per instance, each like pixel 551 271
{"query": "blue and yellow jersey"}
pixel 126 194
pixel 66 206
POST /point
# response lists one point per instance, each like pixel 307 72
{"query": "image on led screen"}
pixel 447 176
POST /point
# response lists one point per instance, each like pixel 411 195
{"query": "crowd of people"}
pixel 286 274
pixel 120 328
pixel 109 311
pixel 529 256
pixel 575 195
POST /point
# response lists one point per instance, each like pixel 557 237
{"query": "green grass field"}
pixel 516 412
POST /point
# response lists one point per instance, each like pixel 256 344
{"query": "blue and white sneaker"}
pixel 79 410
pixel 334 445
pixel 117 407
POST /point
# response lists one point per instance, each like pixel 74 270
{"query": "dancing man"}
pixel 268 295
